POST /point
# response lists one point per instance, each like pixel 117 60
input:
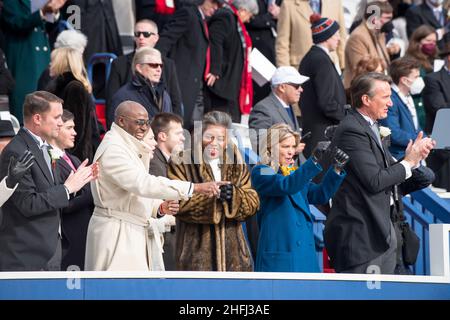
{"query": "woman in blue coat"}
pixel 286 239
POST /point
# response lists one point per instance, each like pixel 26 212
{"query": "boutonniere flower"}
pixel 55 155
pixel 384 132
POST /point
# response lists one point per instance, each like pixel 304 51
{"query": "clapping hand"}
pixel 17 169
pixel 319 150
pixel 340 159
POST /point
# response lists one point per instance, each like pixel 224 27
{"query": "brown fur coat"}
pixel 209 233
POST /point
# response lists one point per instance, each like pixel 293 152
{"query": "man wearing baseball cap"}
pixel 277 106
pixel 323 100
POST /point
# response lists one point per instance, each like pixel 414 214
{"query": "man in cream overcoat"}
pixel 124 233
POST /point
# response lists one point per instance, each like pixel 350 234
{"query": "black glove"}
pixel 340 159
pixel 319 150
pixel 17 169
pixel 329 132
pixel 226 192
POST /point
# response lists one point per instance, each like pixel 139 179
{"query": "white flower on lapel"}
pixel 384 132
pixel 55 154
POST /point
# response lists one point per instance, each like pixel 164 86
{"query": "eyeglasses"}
pixel 146 34
pixel 154 65
pixel 295 85
pixel 140 122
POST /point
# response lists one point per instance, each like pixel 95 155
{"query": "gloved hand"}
pixel 319 150
pixel 329 132
pixel 17 169
pixel 340 159
pixel 226 192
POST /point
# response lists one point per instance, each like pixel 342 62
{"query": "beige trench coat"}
pixel 294 31
pixel 123 234
pixel 363 42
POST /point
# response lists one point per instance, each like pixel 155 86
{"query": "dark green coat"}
pixel 26 47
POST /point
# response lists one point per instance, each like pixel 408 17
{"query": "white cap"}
pixel 288 74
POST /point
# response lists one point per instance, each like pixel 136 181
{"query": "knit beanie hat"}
pixel 322 28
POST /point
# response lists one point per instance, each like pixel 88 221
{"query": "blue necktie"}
pixel 291 115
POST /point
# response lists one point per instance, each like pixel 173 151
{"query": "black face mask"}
pixel 387 27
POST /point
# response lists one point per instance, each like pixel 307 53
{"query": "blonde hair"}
pixel 142 55
pixel 269 144
pixel 66 59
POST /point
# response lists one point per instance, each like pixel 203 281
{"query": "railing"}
pixel 421 209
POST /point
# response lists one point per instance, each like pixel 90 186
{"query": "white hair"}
pixel 249 5
pixel 73 39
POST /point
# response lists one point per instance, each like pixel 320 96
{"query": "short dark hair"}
pixel 38 102
pixel 384 6
pixel 161 122
pixel 67 116
pixel 216 118
pixel 364 85
pixel 402 68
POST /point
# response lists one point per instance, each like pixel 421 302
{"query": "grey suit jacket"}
pixel 158 165
pixel 268 112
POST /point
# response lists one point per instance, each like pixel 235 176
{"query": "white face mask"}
pixel 417 86
pixel 436 2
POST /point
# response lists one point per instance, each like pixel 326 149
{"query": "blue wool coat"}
pixel 286 239
pixel 400 121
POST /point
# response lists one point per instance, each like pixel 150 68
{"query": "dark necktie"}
pixel 291 115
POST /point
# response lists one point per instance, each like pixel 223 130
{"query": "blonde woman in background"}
pixel 70 83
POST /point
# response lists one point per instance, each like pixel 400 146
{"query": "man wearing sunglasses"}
pixel 145 35
pixel 124 234
pixel 145 86
pixel 277 106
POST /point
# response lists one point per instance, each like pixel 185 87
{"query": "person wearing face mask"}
pixel 431 13
pixel 422 47
pixel 402 116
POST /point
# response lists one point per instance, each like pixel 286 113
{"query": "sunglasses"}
pixel 154 65
pixel 140 122
pixel 146 34
pixel 295 85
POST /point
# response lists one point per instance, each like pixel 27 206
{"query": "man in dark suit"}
pixel 323 99
pixel 169 136
pixel 430 12
pixel 436 96
pixel 145 35
pixel 359 234
pixel 74 218
pixel 185 39
pixel 277 106
pixel 30 233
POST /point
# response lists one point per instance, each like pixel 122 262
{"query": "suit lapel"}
pixel 371 134
pixel 405 109
pixel 299 201
pixel 160 156
pixel 282 111
pixel 429 15
pixel 39 157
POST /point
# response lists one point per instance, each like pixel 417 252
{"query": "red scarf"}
pixel 162 8
pixel 246 89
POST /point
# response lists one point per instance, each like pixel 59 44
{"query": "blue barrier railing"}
pixel 422 208
pixel 104 58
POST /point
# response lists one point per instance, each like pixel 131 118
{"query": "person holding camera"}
pixel 286 237
pixel 210 236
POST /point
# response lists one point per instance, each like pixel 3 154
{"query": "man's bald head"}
pixel 133 118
